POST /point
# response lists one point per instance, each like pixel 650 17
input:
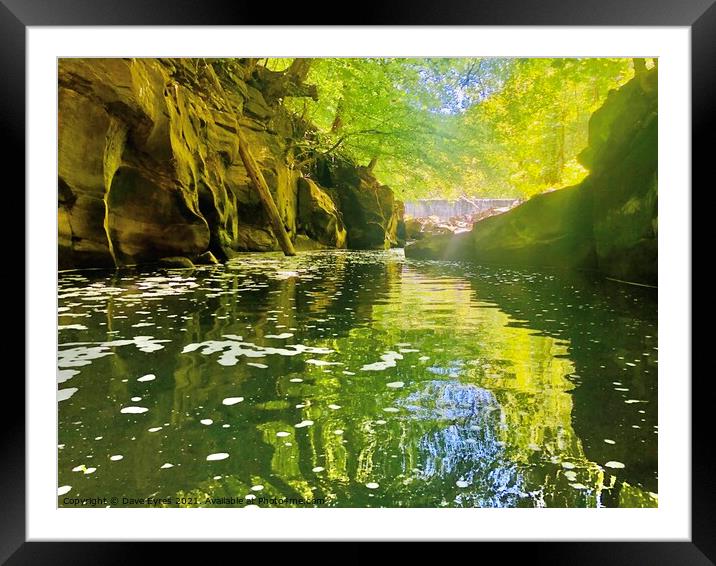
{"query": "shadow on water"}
pixel 356 379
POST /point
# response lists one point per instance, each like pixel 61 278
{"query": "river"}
pixel 356 379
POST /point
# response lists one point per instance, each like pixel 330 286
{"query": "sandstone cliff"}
pixel 149 165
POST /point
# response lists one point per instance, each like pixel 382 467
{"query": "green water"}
pixel 356 379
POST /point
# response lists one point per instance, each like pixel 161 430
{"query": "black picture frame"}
pixel 17 15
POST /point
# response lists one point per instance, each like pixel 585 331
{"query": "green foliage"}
pixel 485 127
pixel 539 120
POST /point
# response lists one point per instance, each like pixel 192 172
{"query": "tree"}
pixel 489 127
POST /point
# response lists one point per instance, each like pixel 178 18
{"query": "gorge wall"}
pixel 149 166
pixel 609 222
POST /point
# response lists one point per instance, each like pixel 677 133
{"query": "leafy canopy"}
pixel 445 127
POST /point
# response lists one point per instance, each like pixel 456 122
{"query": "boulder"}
pixel 318 216
pixel 370 211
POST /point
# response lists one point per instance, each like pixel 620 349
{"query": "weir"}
pixel 463 206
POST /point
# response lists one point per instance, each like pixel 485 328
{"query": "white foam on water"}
pixel 281 336
pixel 217 456
pixel 389 360
pixel 134 410
pixel 232 349
pixel 65 374
pixel 64 394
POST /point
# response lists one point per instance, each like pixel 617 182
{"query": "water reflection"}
pixel 359 379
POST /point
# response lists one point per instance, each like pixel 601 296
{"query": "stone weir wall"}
pixel 149 167
pixel 608 222
pixel 444 209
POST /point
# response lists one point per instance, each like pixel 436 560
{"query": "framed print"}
pixel 425 277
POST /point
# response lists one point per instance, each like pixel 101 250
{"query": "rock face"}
pixel 372 215
pixel 318 215
pixel 149 165
pixel 608 222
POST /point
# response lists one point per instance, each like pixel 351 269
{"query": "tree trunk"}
pixel 264 193
pixel 298 71
pixel 338 120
